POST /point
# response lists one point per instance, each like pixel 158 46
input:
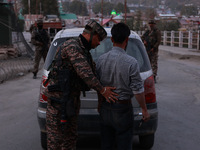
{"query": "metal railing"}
pixel 183 39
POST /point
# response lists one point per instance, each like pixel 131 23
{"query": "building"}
pixel 7 18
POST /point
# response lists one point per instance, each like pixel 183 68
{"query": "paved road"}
pixel 178 97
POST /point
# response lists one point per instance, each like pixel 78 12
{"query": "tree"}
pixel 120 8
pixel 96 8
pixel 150 13
pixel 26 7
pixel 66 6
pixel 168 26
pixel 107 8
pixel 138 21
pixel 78 8
pixel 189 10
pixel 48 7
pixel 130 22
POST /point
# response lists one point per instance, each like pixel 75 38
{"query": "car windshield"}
pixel 135 49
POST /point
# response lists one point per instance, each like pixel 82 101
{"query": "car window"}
pixel 135 49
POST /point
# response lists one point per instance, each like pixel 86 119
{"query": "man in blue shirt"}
pixel 116 68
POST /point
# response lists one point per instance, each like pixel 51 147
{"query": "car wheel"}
pixel 146 141
pixel 43 136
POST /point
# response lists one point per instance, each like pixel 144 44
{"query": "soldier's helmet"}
pixel 96 27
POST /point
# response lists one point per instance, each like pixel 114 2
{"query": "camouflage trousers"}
pixel 38 55
pixel 154 62
pixel 60 137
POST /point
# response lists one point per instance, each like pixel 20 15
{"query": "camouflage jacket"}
pixel 80 63
pixel 153 38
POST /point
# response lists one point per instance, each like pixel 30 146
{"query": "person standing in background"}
pixel 151 39
pixel 41 39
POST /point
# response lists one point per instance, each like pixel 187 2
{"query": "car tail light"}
pixel 149 90
pixel 43 97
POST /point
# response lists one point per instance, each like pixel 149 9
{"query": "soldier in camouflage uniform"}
pixel 41 39
pixel 74 54
pixel 152 39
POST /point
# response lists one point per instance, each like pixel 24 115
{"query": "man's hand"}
pixel 109 94
pixel 145 43
pixel 141 100
pixel 145 114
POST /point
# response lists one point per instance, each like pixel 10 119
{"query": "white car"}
pixel 89 118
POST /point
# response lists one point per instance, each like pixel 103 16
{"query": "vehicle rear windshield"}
pixel 135 49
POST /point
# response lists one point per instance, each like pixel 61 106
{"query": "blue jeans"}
pixel 116 126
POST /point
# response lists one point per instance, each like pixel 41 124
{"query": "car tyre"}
pixel 146 141
pixel 43 136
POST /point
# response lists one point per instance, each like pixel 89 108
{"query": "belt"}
pixel 121 102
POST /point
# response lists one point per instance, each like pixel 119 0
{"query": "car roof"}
pixel 75 32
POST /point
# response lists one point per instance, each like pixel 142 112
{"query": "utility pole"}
pixel 36 7
pixel 125 10
pixel 89 10
pixel 101 12
pixel 29 11
pixel 29 8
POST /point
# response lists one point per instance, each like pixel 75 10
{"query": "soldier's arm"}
pixel 144 36
pixel 158 37
pixel 82 67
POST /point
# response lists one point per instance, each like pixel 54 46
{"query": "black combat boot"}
pixel 34 75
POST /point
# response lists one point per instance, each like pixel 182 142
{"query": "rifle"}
pixel 67 108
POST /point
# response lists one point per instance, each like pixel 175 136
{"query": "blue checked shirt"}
pixel 117 69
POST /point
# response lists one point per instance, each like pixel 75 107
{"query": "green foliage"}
pixel 108 7
pixel 138 21
pixel 66 6
pixel 189 10
pixel 78 8
pixel 48 7
pixel 150 13
pixel 97 8
pixel 129 22
pixel 120 8
pixel 168 26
